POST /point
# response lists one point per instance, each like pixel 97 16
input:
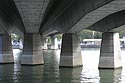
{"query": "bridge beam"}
pixel 32 50
pixel 110 56
pixel 70 51
pixel 6 53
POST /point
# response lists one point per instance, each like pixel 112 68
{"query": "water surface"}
pixel 51 73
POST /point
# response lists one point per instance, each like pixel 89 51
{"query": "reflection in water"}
pixel 6 73
pixel 117 75
pixel 110 75
pixel 90 76
pixel 90 72
pixel 51 73
pixel 31 74
pixel 122 79
pixel 51 67
pixel 17 65
pixel 70 75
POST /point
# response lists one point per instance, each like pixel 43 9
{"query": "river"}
pixel 51 73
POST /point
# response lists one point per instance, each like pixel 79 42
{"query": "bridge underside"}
pixel 65 16
pixel 32 19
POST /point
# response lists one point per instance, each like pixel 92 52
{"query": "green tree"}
pixel 15 37
pixel 98 35
pixel 122 34
pixel 85 34
pixel 59 36
pixel 88 34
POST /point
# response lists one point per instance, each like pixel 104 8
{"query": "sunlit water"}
pixel 51 73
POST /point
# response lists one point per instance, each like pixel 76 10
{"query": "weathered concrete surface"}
pixel 112 23
pixel 81 14
pixel 110 54
pixel 99 14
pixel 66 19
pixel 10 20
pixel 6 53
pixel 70 51
pixel 51 16
pixel 32 50
pixel 32 12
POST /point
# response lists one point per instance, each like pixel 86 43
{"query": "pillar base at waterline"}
pixel 110 52
pixel 70 61
pixel 6 59
pixel 6 53
pixel 108 63
pixel 70 52
pixel 32 60
pixel 32 51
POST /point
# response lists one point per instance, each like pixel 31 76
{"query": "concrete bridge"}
pixel 34 20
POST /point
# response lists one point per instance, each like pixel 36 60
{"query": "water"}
pixel 51 73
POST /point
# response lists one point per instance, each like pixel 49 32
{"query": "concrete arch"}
pixel 112 23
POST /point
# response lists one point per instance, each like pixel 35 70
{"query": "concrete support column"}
pixel 21 44
pixel 110 55
pixel 54 43
pixel 32 49
pixel 44 42
pixel 70 51
pixel 6 53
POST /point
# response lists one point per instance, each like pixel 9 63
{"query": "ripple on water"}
pixel 51 73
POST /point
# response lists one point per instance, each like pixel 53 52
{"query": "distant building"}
pixel 96 43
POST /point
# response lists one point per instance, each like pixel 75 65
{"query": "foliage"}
pixel 59 36
pixel 15 37
pixel 122 34
pixel 49 39
pixel 84 34
pixel 88 34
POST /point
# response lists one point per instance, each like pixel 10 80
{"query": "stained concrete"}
pixel 6 53
pixel 70 51
pixel 32 52
pixel 110 54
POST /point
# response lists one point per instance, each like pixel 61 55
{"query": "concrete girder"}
pixel 110 52
pixel 112 23
pixel 96 15
pixel 54 11
pixel 9 17
pixel 32 12
pixel 66 20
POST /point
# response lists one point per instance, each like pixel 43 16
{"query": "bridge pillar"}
pixel 70 51
pixel 54 43
pixel 32 49
pixel 44 42
pixel 21 44
pixel 6 53
pixel 110 56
